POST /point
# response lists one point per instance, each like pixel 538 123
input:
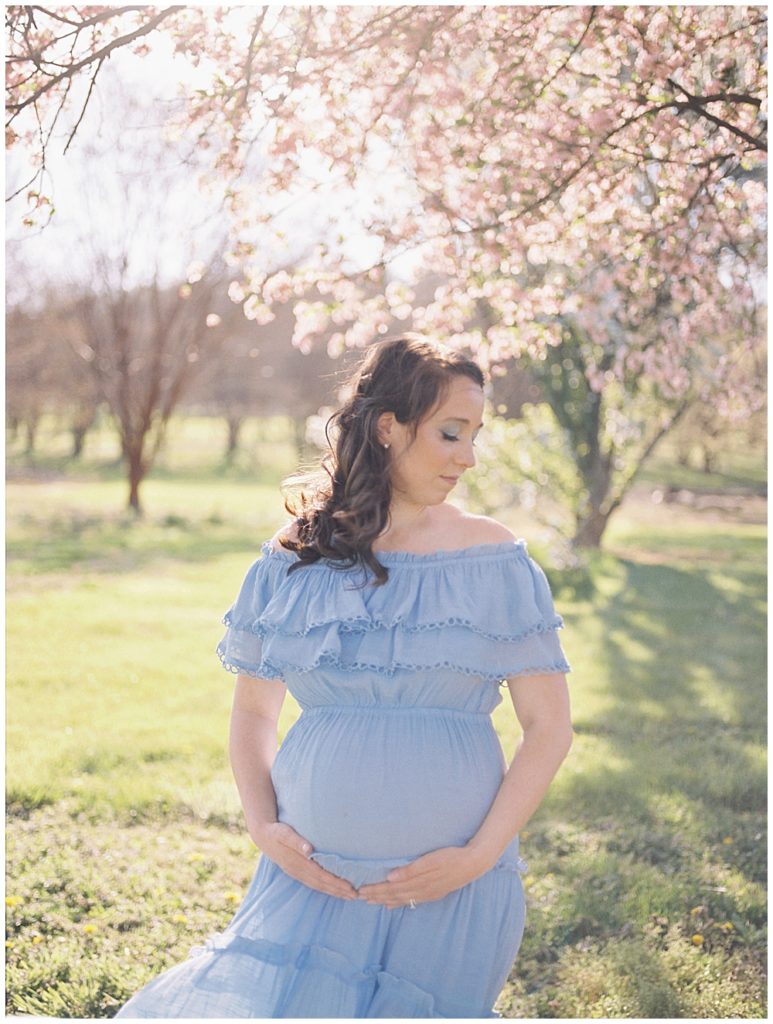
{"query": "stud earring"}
pixel 386 445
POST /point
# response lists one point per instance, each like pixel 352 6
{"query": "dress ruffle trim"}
pixel 503 621
pixel 385 994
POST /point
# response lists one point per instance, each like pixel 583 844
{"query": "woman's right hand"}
pixel 282 844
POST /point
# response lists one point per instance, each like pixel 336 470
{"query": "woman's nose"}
pixel 467 455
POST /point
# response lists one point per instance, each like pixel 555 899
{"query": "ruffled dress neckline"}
pixel 476 551
pixel 484 611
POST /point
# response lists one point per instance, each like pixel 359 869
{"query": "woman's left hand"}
pixel 430 877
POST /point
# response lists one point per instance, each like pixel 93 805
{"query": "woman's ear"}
pixel 384 427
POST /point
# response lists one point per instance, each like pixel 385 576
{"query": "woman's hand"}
pixel 282 844
pixel 430 877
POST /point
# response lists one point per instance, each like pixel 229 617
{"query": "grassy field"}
pixel 646 883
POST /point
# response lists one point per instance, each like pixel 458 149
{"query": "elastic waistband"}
pixel 392 709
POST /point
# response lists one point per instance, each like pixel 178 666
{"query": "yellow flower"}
pixel 8 944
pixel 89 928
pixel 194 857
pixel 37 939
pixel 232 897
pixel 696 910
pixel 180 919
pixel 697 940
pixel 12 901
pixel 727 840
pixel 727 926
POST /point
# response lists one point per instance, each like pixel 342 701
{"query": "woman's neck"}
pixel 405 520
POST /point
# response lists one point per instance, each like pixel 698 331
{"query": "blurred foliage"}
pixel 525 463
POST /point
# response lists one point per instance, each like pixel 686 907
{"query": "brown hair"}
pixel 349 506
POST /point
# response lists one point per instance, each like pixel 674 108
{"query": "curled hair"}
pixel 349 506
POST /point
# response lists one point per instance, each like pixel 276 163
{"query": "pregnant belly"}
pixel 380 783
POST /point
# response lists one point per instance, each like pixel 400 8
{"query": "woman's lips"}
pixel 450 479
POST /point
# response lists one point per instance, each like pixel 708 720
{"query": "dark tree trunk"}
pixel 591 529
pixel 683 458
pixel 82 422
pixel 234 428
pixel 78 437
pixel 592 519
pixel 136 473
pixel 31 424
pixel 134 494
pixel 709 461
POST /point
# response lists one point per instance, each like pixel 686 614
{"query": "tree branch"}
pixel 95 19
pixel 85 104
pixel 694 103
pixel 99 55
pixel 622 490
pixel 574 50
pixel 248 60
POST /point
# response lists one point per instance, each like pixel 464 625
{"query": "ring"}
pixel 412 904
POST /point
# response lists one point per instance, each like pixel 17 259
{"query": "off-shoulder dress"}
pixel 394 754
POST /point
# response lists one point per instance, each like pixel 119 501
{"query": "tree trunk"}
pixel 234 427
pixel 134 495
pixel 591 529
pixel 593 514
pixel 137 470
pixel 82 422
pixel 31 430
pixel 78 437
pixel 592 521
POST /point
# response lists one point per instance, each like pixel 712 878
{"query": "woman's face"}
pixel 424 470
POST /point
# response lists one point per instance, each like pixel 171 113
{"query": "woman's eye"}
pixel 449 437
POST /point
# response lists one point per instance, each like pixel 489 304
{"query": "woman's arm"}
pixel 542 705
pixel 252 748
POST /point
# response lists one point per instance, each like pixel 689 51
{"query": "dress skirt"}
pixel 291 951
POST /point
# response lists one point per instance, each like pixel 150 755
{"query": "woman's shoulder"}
pixel 458 529
pixel 287 532
pixel 471 530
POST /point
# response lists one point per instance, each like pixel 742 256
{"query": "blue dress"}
pixel 393 755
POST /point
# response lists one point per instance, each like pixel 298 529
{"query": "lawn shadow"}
pixel 675 803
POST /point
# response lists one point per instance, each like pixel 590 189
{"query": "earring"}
pixel 386 445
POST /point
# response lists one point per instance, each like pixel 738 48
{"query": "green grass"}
pixel 646 883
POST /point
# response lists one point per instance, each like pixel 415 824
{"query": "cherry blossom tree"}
pixel 588 181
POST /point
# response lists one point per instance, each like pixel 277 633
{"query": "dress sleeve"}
pixel 241 649
pixel 539 649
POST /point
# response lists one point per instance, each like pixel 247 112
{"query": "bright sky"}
pixel 89 184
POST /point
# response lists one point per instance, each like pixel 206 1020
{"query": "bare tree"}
pixel 25 375
pixel 255 372
pixel 43 374
pixel 142 348
pixel 140 315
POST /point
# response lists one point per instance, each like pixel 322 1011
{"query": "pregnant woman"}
pixel 389 883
